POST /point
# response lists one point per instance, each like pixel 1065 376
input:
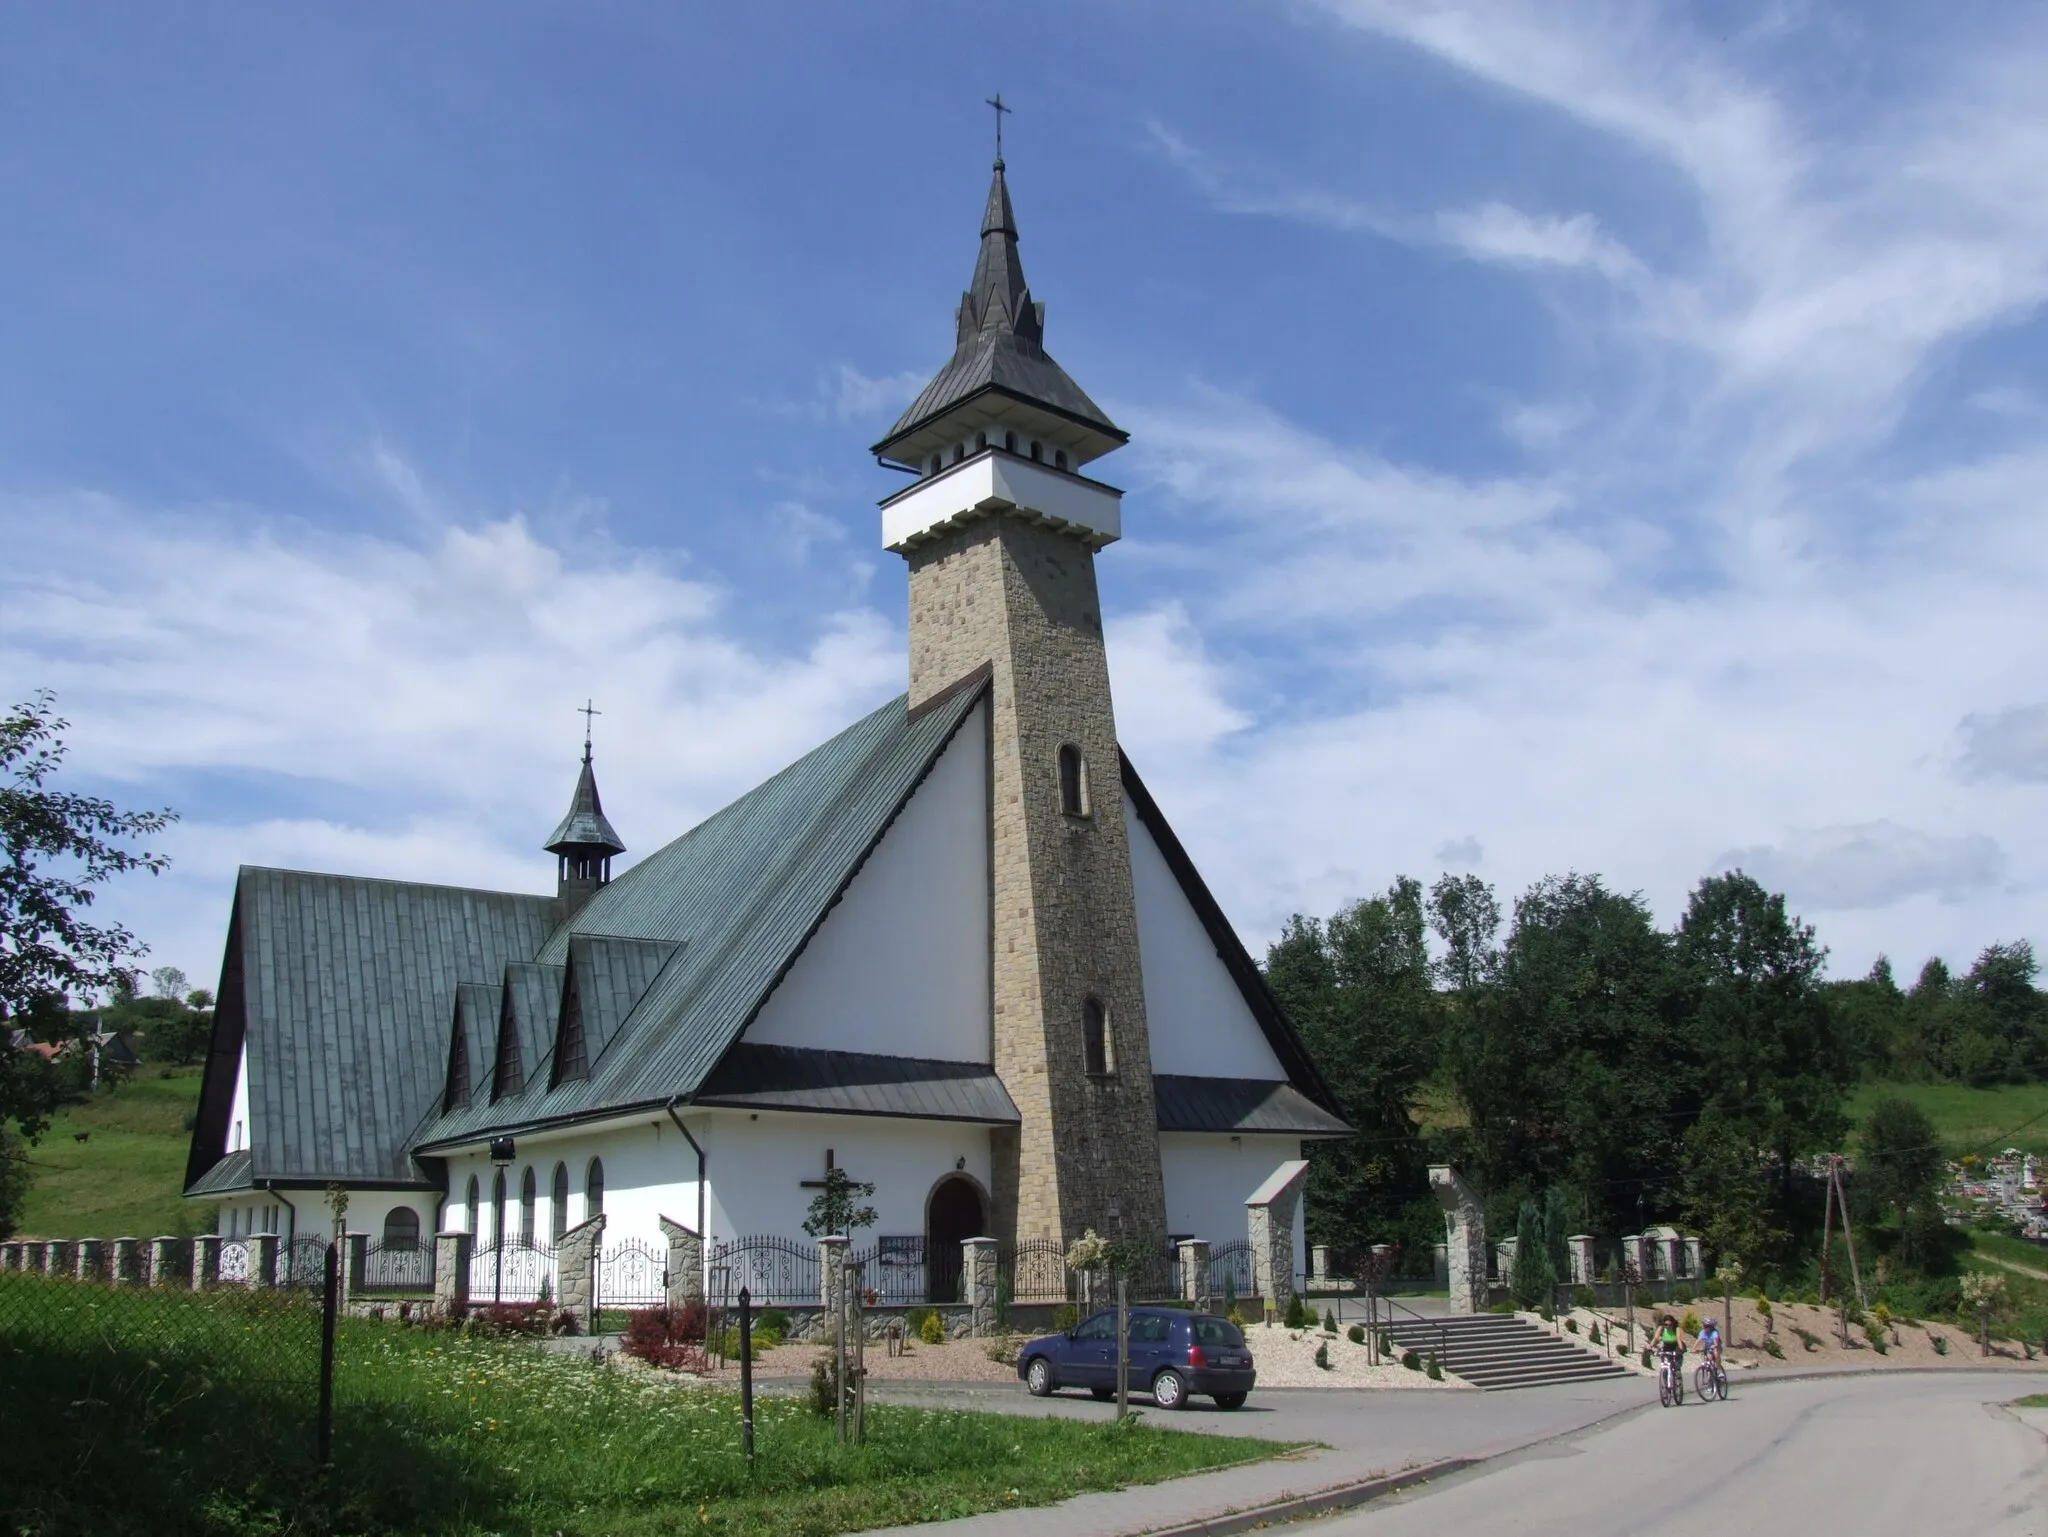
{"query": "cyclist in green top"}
pixel 1670 1342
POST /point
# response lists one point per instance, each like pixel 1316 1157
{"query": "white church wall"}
pixel 901 965
pixel 757 1168
pixel 1197 1018
pixel 1209 1177
pixel 240 1133
pixel 649 1173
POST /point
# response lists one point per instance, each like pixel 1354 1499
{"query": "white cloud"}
pixel 2010 744
pixel 1170 698
pixel 1871 864
pixel 1467 850
pixel 410 701
pixel 1498 233
pixel 851 395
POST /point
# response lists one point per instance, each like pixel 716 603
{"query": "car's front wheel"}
pixel 1038 1377
pixel 1170 1390
pixel 1230 1400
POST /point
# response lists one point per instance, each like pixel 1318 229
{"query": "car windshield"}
pixel 1217 1331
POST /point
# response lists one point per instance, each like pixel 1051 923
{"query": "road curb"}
pixel 1827 1373
pixel 1343 1497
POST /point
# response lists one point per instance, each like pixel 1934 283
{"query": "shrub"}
pixel 1690 1324
pixel 502 1320
pixel 1644 1298
pixel 1323 1356
pixel 1003 1349
pixel 1593 1335
pixel 933 1330
pixel 1646 1359
pixel 1066 1316
pixel 653 1335
pixel 1236 1315
pixel 1807 1337
pixel 1436 1370
pixel 1940 1342
pixel 824 1385
pixel 1571 1326
pixel 1582 1296
pixel 1329 1321
pixel 1875 1333
pixel 1411 1360
pixel 1772 1348
pixel 1386 1345
pixel 1297 1316
pixel 767 1318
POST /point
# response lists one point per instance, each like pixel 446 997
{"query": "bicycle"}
pixel 1710 1380
pixel 1670 1380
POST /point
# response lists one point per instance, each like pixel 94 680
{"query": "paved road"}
pixel 1917 1456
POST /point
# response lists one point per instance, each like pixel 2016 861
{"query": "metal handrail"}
pixel 1565 1288
pixel 1443 1333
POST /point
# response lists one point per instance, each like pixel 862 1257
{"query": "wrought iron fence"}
pixel 773 1270
pixel 895 1273
pixel 1037 1268
pixel 235 1262
pixel 303 1263
pixel 396 1267
pixel 1230 1269
pixel 1155 1277
pixel 633 1274
pixel 514 1271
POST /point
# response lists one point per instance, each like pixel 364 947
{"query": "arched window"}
pixel 1009 442
pixel 1095 1036
pixel 959 452
pixel 498 1209
pixel 1059 459
pixel 938 461
pixel 526 1199
pixel 558 1203
pixel 1036 451
pixel 980 441
pixel 401 1228
pixel 593 1189
pixel 469 1203
pixel 1073 781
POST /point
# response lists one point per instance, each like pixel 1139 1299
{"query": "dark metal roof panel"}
pixel 349 987
pixel 226 1176
pixel 741 894
pixel 756 1077
pixel 612 973
pixel 476 1016
pixel 534 995
pixel 1239 1104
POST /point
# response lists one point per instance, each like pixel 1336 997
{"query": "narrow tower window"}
pixel 1073 781
pixel 558 1203
pixel 526 1203
pixel 1009 442
pixel 938 461
pixel 498 1210
pixel 469 1202
pixel 980 441
pixel 1037 450
pixel 1059 459
pixel 1095 1036
pixel 593 1189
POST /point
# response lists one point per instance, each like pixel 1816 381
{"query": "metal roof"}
pixel 533 995
pixel 225 1177
pixel 999 348
pixel 341 989
pixel 1239 1104
pixel 687 944
pixel 756 1077
pixel 585 827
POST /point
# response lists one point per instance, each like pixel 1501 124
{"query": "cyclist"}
pixel 1670 1343
pixel 1710 1342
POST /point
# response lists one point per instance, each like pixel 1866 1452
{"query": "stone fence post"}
pixel 1269 1216
pixel 1465 1239
pixel 206 1262
pixel 263 1260
pixel 685 1277
pixel 165 1263
pixel 451 1272
pixel 1694 1263
pixel 978 1283
pixel 10 1256
pixel 1319 1264
pixel 1194 1271
pixel 1580 1247
pixel 576 1256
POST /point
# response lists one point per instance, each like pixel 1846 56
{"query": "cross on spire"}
pixel 587 712
pixel 996 101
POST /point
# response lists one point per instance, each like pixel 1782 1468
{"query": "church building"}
pixel 956 951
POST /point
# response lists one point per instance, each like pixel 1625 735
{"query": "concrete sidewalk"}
pixel 1366 1434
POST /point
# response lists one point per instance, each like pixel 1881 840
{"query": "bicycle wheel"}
pixel 1703 1381
pixel 1721 1382
pixel 1678 1383
pixel 1664 1388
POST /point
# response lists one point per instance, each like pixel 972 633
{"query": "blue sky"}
pixel 1564 437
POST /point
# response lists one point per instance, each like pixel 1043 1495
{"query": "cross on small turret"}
pixel 996 101
pixel 586 711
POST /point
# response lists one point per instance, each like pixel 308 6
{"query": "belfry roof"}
pixel 999 348
pixel 586 825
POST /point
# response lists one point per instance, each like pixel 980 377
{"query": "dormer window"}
pixel 1095 1037
pixel 1073 781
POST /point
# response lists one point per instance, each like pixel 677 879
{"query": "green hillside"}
pixel 123 1179
pixel 1970 1120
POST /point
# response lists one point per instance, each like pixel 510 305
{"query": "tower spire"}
pixel 584 842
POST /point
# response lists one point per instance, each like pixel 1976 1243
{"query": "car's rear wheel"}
pixel 1038 1377
pixel 1170 1390
pixel 1230 1400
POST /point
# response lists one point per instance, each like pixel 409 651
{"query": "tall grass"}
pixel 130 1412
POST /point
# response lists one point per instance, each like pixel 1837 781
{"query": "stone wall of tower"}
pixel 1020 597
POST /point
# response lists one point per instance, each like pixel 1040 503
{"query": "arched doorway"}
pixel 953 1214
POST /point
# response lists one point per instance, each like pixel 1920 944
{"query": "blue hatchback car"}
pixel 1174 1355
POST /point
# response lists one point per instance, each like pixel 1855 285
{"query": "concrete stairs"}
pixel 1496 1351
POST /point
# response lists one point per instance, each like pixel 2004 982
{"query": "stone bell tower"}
pixel 1000 531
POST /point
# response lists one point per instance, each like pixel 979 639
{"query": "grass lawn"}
pixel 132 1412
pixel 124 1179
pixel 1968 1119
